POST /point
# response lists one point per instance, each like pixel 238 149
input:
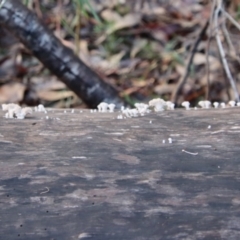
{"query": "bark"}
pixel 91 176
pixel 59 59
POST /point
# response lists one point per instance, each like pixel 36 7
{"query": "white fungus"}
pixel 158 104
pixel 130 112
pixel 141 107
pixel 216 104
pixel 102 107
pixel 238 104
pixel 15 111
pixel 223 105
pixel 170 140
pixel 232 103
pixel 111 107
pixel 186 104
pixel 40 108
pixel 170 105
pixel 205 104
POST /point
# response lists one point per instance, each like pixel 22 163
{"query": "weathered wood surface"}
pixel 89 176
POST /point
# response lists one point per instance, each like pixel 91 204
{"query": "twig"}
pixel 45 191
pixel 207 49
pixel 227 37
pixel 219 10
pixel 190 152
pixel 182 81
pixel 231 19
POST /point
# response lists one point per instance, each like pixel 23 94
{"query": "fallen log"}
pixel 70 174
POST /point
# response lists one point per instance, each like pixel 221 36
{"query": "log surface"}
pixel 93 176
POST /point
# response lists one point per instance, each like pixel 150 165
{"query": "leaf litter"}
pixel 140 47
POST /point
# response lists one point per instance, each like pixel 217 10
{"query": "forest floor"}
pixel 140 47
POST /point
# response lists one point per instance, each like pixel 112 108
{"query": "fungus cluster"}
pixel 105 107
pixel 142 107
pixel 158 104
pixel 186 104
pixel 232 103
pixel 205 104
pixel 215 104
pixel 15 111
pixel 40 108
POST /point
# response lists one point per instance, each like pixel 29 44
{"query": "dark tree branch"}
pixel 59 59
pixel 184 78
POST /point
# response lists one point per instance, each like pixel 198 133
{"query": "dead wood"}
pixel 60 60
pixel 78 175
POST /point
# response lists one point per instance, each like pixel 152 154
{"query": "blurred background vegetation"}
pixel 140 47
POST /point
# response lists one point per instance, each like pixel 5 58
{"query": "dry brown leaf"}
pixel 47 83
pixel 111 63
pixel 180 69
pixel 12 93
pixel 137 47
pixel 200 59
pixel 143 83
pixel 127 21
pixel 164 89
pixel 110 16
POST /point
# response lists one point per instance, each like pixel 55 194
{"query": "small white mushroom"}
pixel 201 104
pixel 130 112
pixel 41 108
pixel 232 103
pixel 216 104
pixel 21 114
pixel 6 107
pixel 142 107
pixel 158 104
pixel 186 104
pixel 238 104
pixel 205 104
pixel 102 107
pixel 111 107
pixel 170 105
pixel 10 113
pixel 223 105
